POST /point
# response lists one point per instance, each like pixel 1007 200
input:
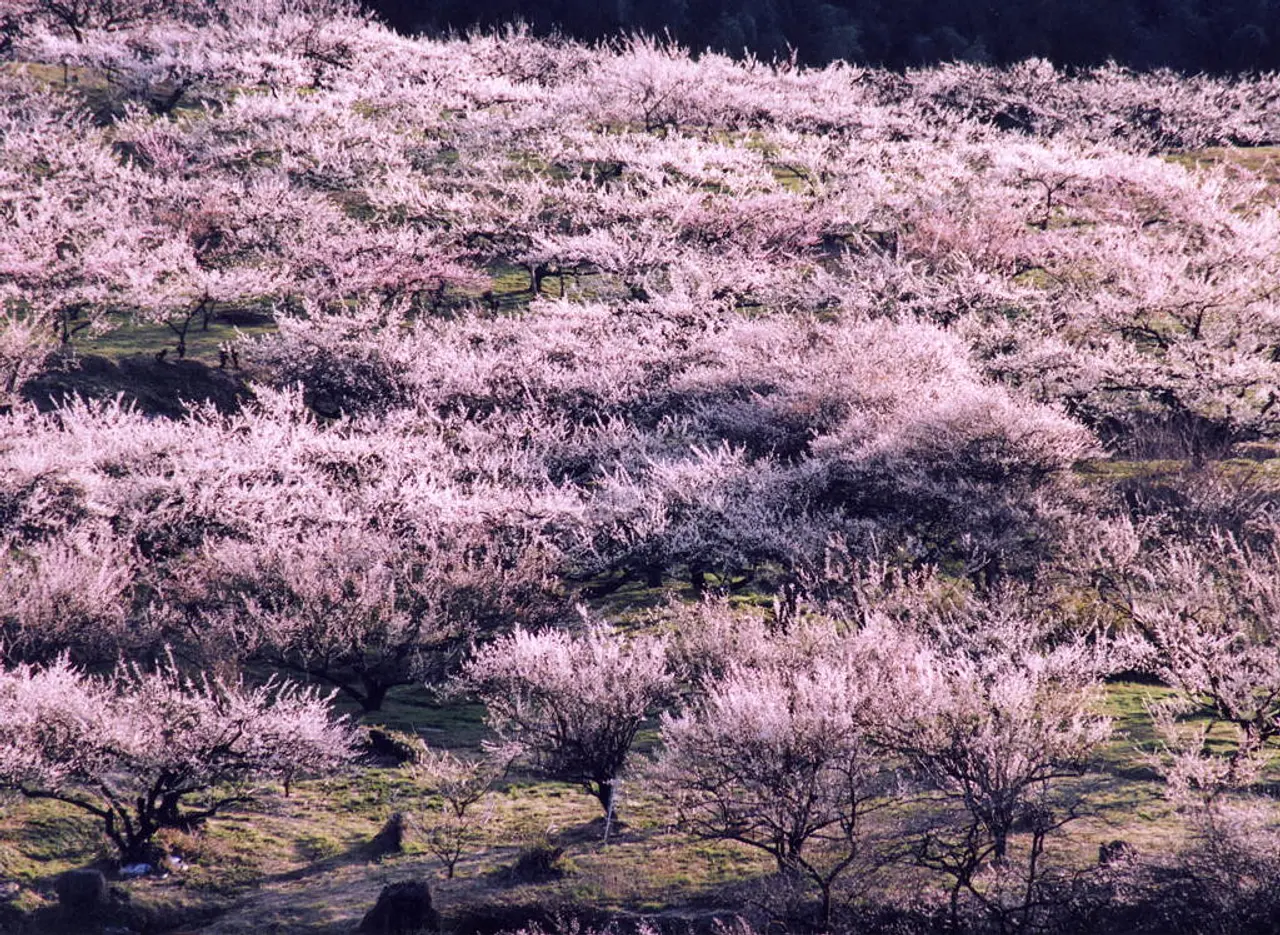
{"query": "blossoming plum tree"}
pixel 572 704
pixel 146 749
pixel 997 712
pixel 1208 611
pixel 781 759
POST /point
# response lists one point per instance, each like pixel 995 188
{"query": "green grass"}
pixel 39 840
pixel 1134 736
pixel 90 85
pixel 1258 465
pixel 452 726
pixel 126 337
pixel 1263 161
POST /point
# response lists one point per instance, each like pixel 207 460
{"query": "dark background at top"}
pixel 1187 35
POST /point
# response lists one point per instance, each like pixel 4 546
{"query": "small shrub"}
pixel 538 862
pixel 398 747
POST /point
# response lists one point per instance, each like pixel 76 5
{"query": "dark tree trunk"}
pixel 375 693
pixel 698 579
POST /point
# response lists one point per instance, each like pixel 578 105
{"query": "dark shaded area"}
pixel 550 916
pixel 157 387
pixel 88 904
pixel 1218 36
pixel 402 908
pixel 385 747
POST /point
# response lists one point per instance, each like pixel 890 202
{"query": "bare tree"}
pixel 461 786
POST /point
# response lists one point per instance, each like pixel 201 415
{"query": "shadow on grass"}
pixel 156 387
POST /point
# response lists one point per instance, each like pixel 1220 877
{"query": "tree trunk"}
pixel 375 693
pixel 698 578
pixel 608 800
pixel 824 912
pixel 604 793
pixel 1000 827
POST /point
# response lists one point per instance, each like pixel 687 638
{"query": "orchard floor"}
pixel 299 863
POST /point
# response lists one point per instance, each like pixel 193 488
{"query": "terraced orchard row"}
pixel 860 485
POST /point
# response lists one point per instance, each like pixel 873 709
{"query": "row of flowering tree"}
pixel 368 550
pixel 932 728
pixel 948 743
